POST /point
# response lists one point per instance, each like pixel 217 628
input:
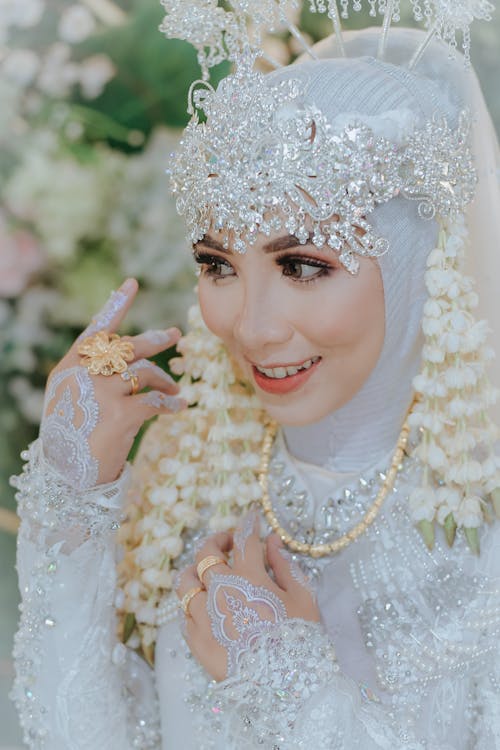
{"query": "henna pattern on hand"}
pixel 66 446
pixel 245 531
pixel 296 571
pixel 115 303
pixel 161 401
pixel 236 606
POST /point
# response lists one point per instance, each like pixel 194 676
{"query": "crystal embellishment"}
pixel 265 160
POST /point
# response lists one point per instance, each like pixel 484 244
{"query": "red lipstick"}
pixel 281 386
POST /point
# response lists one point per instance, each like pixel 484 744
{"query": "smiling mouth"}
pixel 285 371
pixel 284 379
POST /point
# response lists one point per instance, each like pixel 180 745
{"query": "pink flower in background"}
pixel 20 257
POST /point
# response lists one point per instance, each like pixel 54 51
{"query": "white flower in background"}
pixel 76 24
pixel 70 208
pixel 151 237
pixel 21 66
pixel 29 399
pixel 10 122
pixel 94 74
pixel 20 257
pixel 27 330
pixel 21 13
pixel 58 74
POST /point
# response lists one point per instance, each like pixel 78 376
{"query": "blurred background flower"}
pixel 92 100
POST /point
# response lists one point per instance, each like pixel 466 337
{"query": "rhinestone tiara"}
pixel 265 161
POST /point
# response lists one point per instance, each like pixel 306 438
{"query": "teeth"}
pixel 283 372
pixel 279 372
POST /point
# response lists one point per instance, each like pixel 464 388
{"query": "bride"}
pixel 349 598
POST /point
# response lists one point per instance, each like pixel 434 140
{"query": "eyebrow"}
pixel 274 246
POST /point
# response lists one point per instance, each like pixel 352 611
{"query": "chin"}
pixel 296 412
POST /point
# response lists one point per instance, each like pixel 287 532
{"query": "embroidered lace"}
pixel 239 612
pixel 71 690
pixel 66 446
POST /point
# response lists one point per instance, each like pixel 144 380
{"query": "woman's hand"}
pixel 90 421
pixel 240 601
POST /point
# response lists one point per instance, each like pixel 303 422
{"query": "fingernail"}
pixel 128 286
pixel 159 338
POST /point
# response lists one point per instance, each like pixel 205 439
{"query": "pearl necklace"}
pixel 321 550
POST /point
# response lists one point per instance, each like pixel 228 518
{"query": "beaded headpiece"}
pixel 266 160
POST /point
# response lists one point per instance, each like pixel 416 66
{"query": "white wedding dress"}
pixel 415 633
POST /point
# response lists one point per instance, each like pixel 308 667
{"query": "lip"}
pixel 281 386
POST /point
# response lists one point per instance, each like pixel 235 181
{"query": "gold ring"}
pixel 105 353
pixel 186 599
pixel 129 377
pixel 207 563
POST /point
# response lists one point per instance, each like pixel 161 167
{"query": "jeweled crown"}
pixel 266 159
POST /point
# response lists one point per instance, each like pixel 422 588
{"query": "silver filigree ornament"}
pixel 228 32
pixel 265 161
pixel 219 34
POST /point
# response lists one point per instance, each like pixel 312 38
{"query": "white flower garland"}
pixel 204 459
pixel 462 474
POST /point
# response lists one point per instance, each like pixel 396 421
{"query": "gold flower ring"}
pixel 188 596
pixel 106 354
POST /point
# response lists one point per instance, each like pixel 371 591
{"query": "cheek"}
pixel 351 315
pixel 217 316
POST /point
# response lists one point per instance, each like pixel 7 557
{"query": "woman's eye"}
pixel 213 266
pixel 303 271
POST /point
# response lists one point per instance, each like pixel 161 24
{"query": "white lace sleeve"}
pixel 290 693
pixel 75 687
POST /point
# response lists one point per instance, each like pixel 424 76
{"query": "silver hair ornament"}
pixel 265 161
pixel 228 33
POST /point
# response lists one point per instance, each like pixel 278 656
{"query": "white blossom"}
pixel 21 66
pixel 58 73
pixel 423 503
pixel 24 14
pixel 163 495
pixel 172 545
pixel 94 73
pixel 76 24
pixel 469 514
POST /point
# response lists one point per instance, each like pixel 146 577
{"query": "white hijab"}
pixel 390 98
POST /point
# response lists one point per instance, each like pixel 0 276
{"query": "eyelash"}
pixel 213 261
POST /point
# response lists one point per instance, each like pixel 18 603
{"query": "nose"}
pixel 262 321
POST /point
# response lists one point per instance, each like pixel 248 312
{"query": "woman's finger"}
pixel 248 549
pixel 188 584
pixel 149 343
pixel 111 315
pixel 147 405
pixel 215 547
pixel 150 375
pixel 288 574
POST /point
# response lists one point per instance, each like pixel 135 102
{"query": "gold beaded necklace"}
pixel 321 550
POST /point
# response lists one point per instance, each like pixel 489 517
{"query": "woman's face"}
pixel 304 331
